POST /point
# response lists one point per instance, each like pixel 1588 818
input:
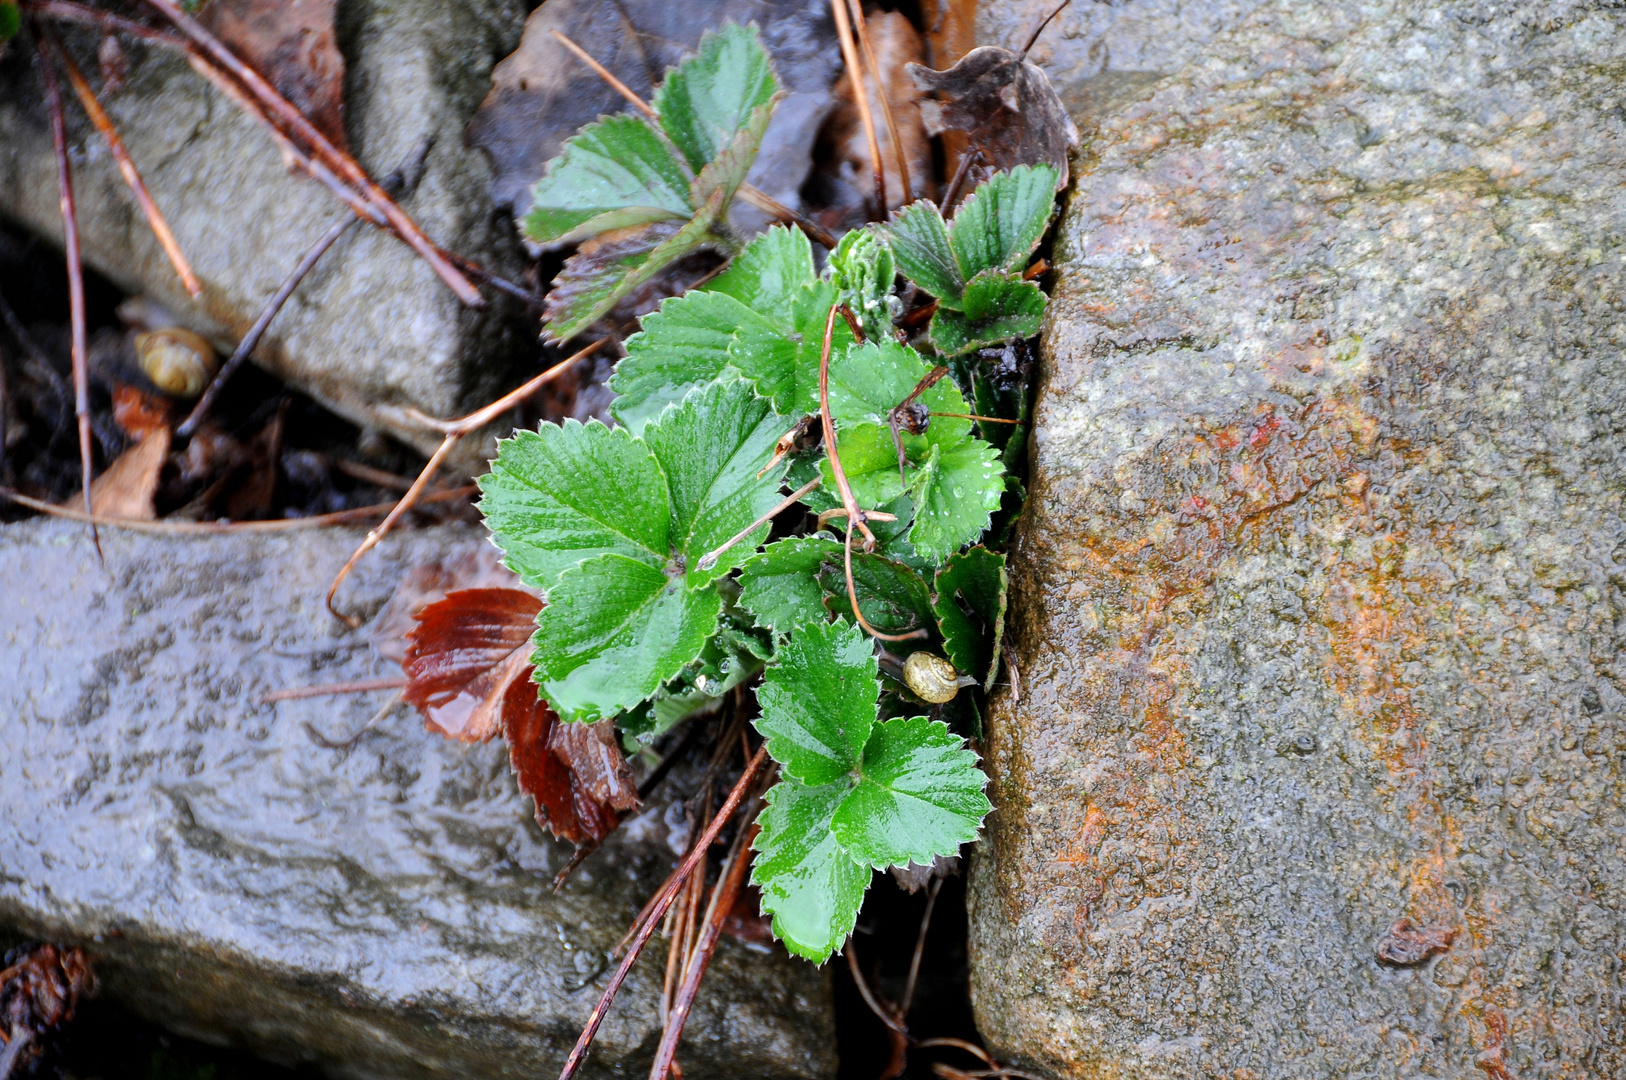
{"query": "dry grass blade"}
pixel 849 55
pixel 132 178
pixel 343 164
pixel 76 272
pixel 360 686
pixel 454 431
pixel 885 1015
pixel 895 133
pixel 657 912
pixel 920 949
pixel 215 528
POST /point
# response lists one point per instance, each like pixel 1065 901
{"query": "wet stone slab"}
pixel 381 910
pixel 1319 767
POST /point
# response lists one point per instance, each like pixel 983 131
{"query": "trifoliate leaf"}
pixel 710 450
pixel 956 491
pixel 682 346
pixel 892 597
pixel 919 795
pixel 706 100
pixel 723 175
pixel 818 701
pixel 810 884
pixel 970 608
pixel 868 381
pixel 862 269
pixel 920 240
pixel 613 174
pixel 733 655
pixel 611 265
pixel 780 352
pixel 996 307
pixel 767 274
pixel 614 630
pixel 566 493
pixel 999 224
pixel 780 587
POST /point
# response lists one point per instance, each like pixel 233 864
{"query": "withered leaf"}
pixel 291 43
pixel 40 987
pixel 470 675
pixel 475 565
pixel 1005 105
pixel 124 492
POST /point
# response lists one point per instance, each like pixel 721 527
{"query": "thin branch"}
pixel 854 514
pixel 84 14
pixel 76 272
pixel 579 1053
pixel 344 744
pixel 334 158
pixel 902 160
pixel 974 416
pixel 884 1015
pixel 852 597
pixel 751 194
pixel 709 559
pixel 454 432
pixel 215 528
pixel 920 949
pixel 959 1044
pixel 967 159
pixel 1037 30
pixel 360 686
pixel 849 55
pixel 132 178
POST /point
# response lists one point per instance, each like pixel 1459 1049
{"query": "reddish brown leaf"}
pixel 471 566
pixel 291 43
pixel 40 987
pixel 469 665
pixel 466 652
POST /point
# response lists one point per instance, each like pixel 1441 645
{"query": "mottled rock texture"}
pixel 1319 594
pixel 372 328
pixel 381 910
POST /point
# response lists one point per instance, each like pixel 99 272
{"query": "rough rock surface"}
pixel 372 326
pixel 381 910
pixel 1319 596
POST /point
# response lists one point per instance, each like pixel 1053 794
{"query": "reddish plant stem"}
pixel 127 169
pixel 341 163
pixel 68 11
pixel 76 272
pixel 967 159
pixel 855 516
pixel 669 893
pixel 214 528
pixel 360 686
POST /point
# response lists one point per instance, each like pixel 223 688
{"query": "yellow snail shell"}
pixel 931 677
pixel 179 362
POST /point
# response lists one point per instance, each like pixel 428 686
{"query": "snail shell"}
pixel 931 677
pixel 179 362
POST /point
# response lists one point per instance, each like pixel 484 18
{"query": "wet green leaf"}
pixel 780 352
pixel 810 884
pixel 818 701
pixel 615 173
pixel 710 97
pixel 780 586
pixel 863 271
pixel 999 224
pixel 611 265
pixel 996 307
pixel 970 608
pixel 920 240
pixel 893 597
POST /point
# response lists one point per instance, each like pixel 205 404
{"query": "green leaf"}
pixel 868 381
pixel 919 795
pixel 999 224
pixel 610 266
pixel 893 598
pixel 780 352
pixel 765 276
pixel 732 656
pixel 920 240
pixel 682 346
pixel 818 701
pixel 614 630
pixel 706 100
pixel 711 449
pixel 612 174
pixel 956 492
pixel 780 587
pixel 970 608
pixel 11 20
pixel 723 175
pixel 863 269
pixel 566 493
pixel 810 884
pixel 996 307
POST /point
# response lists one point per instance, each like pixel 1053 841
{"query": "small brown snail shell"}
pixel 931 677
pixel 179 362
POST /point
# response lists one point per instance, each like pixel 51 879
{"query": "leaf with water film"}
pixel 892 597
pixel 810 884
pixel 818 701
pixel 780 586
pixel 709 98
pixel 613 174
pixel 996 307
pixel 970 607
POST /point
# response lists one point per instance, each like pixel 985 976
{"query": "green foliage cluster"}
pixel 648 538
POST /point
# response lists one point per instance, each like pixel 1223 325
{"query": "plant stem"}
pixel 854 514
pixel 215 528
pixel 709 559
pixel 852 597
pixel 579 1053
pixel 844 32
pixel 76 273
pixel 898 156
pixel 360 686
pixel 966 161
pixel 884 1015
pixel 1037 30
pixel 132 178
pixel 920 948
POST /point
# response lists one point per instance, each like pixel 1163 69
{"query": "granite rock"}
pixel 1319 767
pixel 381 909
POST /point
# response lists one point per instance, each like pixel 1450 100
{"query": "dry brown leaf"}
pixel 139 413
pixel 291 43
pixel 1006 107
pixel 124 492
pixel 897 46
pixel 471 566
pixel 40 987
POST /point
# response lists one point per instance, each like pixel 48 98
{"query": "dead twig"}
pixel 855 516
pixel 454 431
pixel 329 744
pixel 709 559
pixel 920 949
pixel 898 156
pixel 76 271
pixel 974 416
pixel 849 55
pixel 127 169
pixel 1037 30
pixel 668 894
pixel 340 162
pixel 84 14
pixel 214 528
pixel 751 194
pixel 359 686
pixel 967 159
pixel 885 1015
